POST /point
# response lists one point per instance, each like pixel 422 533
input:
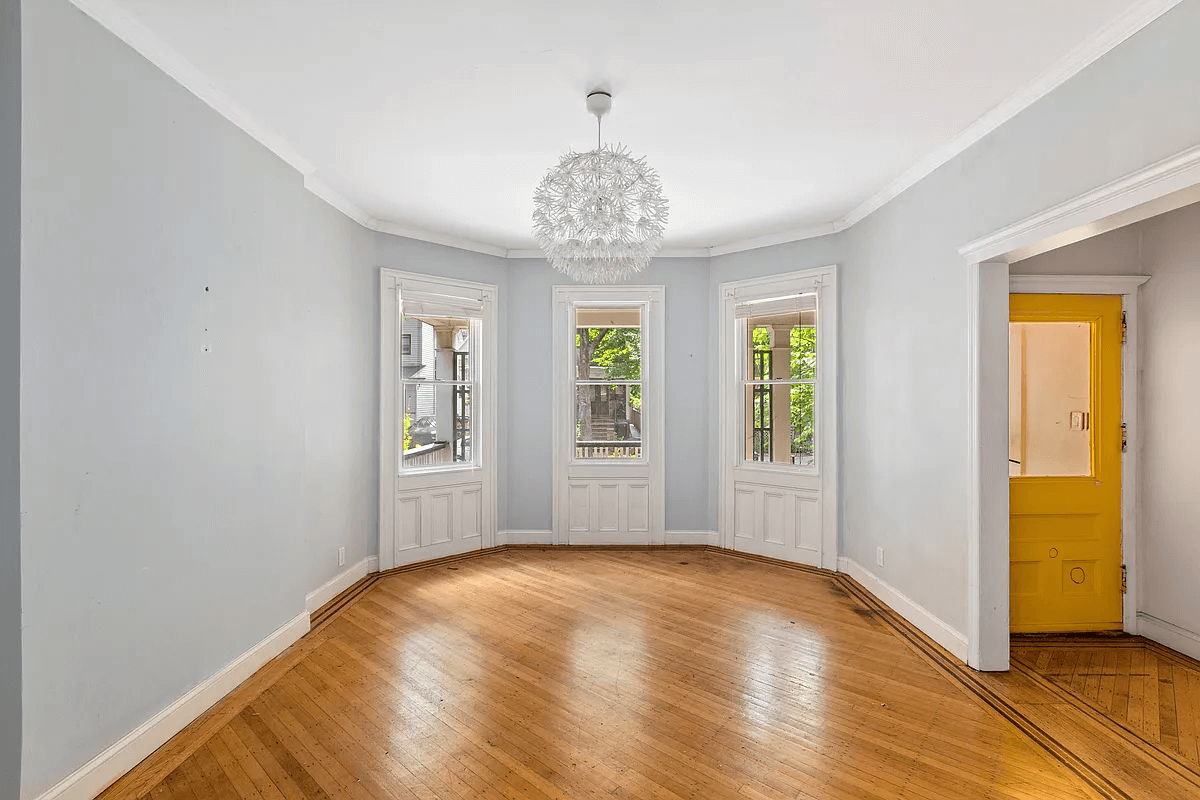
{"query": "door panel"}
pixel 1065 462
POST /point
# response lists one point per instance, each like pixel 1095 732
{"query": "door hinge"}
pixel 1124 328
pixel 1124 437
pixel 1124 572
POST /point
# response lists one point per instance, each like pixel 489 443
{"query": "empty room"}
pixel 673 399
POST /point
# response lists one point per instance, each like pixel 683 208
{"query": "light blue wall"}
pixel 10 397
pixel 688 425
pixel 178 504
pixel 905 295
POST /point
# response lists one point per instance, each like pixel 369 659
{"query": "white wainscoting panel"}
pixel 608 511
pixel 770 519
pixel 438 521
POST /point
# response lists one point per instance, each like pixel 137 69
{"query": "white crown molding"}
pixel 156 50
pixel 794 235
pixel 1088 52
pixel 1163 179
pixel 666 252
pixel 396 229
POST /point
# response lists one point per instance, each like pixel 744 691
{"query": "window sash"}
pixel 577 382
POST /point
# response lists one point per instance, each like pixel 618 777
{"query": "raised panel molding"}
pixel 440 515
pixel 579 502
pixel 777 521
pixel 774 522
pixel 638 507
pixel 609 507
pixel 743 514
pixel 408 522
pixel 471 516
pixel 808 522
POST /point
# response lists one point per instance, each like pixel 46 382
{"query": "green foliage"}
pixel 618 351
pixel 803 366
pixel 407 435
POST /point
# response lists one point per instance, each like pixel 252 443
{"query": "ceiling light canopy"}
pixel 599 216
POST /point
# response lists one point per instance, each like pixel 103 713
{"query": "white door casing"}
pixel 602 501
pixel 438 512
pixel 786 513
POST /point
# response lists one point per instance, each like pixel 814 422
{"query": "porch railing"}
pixel 608 449
pixel 427 455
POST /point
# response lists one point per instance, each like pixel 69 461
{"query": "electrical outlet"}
pixel 342 556
pixel 879 556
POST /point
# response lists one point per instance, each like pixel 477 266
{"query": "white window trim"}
pixel 565 299
pixel 822 281
pixel 484 295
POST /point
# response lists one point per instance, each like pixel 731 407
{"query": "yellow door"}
pixel 1065 462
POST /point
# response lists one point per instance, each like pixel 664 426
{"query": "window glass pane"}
pixel 437 424
pixel 608 344
pixel 436 348
pixel 608 421
pixel 804 430
pixel 1050 387
pixel 782 346
pixel 779 423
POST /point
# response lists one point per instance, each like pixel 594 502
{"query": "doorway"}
pixel 1065 444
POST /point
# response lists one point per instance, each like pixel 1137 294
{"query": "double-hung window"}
pixel 439 377
pixel 779 376
pixel 608 382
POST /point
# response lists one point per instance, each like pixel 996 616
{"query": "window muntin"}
pixel 608 388
pixel 439 378
pixel 779 380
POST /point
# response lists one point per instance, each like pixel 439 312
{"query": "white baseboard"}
pixel 524 537
pixel 906 607
pixel 1171 635
pixel 340 583
pixel 96 775
pixel 691 537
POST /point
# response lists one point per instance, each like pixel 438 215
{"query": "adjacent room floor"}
pixel 668 673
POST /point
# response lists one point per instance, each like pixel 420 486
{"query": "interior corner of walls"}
pixel 932 626
pixel 1169 634
pixel 340 583
pixel 710 538
pixel 524 537
pixel 97 774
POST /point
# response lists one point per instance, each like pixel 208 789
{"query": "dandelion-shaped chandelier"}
pixel 599 216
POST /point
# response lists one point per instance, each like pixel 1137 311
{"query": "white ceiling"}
pixel 764 118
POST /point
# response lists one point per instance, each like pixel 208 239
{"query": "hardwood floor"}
pixel 1147 689
pixel 671 673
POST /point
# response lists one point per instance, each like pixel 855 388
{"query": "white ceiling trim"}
pixel 156 50
pixel 1172 178
pixel 666 252
pixel 794 235
pixel 162 55
pixel 1087 53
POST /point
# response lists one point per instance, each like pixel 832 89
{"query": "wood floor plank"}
pixel 561 674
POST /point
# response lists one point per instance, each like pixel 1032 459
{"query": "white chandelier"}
pixel 599 216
